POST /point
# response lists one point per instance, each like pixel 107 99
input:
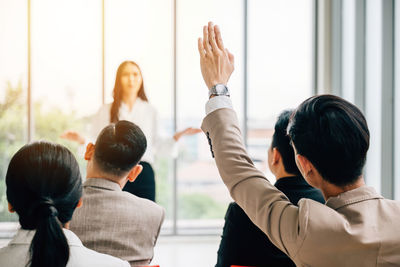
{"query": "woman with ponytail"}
pixel 131 104
pixel 44 187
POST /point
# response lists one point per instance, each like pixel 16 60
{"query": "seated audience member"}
pixel 113 221
pixel 330 137
pixel 44 187
pixel 242 242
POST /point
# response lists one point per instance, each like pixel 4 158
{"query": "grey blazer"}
pixel 356 228
pixel 117 223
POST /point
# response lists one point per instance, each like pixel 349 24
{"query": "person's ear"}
pixel 305 166
pixel 89 151
pixel 134 172
pixel 309 172
pixel 10 208
pixel 276 156
pixel 80 202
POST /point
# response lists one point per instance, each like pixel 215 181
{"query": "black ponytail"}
pixel 44 187
pixel 48 233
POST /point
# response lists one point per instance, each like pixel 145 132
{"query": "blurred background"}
pixel 58 61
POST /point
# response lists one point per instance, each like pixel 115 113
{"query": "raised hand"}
pixel 216 62
pixel 187 131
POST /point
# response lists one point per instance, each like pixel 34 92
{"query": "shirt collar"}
pixel 291 180
pixel 102 183
pixel 353 196
pixel 25 237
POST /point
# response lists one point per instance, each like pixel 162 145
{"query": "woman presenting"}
pixel 131 104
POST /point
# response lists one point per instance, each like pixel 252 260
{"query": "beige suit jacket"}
pixel 356 228
pixel 117 223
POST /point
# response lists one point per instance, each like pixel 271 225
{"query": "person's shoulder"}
pixel 146 205
pixel 297 189
pixel 140 201
pixel 11 255
pixel 149 107
pixel 83 256
pixel 390 204
pixel 315 215
pixel 236 215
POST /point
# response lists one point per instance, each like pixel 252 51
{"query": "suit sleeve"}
pixel 267 207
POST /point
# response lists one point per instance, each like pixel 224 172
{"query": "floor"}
pixel 181 251
pixel 184 251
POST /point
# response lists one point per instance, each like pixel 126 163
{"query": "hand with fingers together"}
pixel 216 62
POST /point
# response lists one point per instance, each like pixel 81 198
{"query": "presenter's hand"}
pixel 216 62
pixel 187 131
pixel 73 136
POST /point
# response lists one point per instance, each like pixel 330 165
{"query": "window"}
pixel 13 89
pixel 202 197
pixel 280 67
pixel 142 31
pixel 67 80
pixel 66 68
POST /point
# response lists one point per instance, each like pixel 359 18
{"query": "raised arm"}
pixel 265 205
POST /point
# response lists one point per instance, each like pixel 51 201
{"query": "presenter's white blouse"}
pixel 16 253
pixel 144 115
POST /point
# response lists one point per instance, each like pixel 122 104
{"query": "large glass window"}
pixel 66 67
pixel 373 95
pixel 202 197
pixel 397 104
pixel 13 85
pixel 142 31
pixel 67 82
pixel 279 67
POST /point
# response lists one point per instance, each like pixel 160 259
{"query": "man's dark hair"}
pixel 281 141
pixel 119 147
pixel 333 135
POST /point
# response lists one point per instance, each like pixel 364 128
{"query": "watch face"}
pixel 220 89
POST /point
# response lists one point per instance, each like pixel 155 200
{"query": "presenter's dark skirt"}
pixel 145 185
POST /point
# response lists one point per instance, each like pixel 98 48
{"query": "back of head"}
pixel 44 186
pixel 281 141
pixel 333 135
pixel 119 147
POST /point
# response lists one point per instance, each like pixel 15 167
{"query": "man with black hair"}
pixel 242 242
pixel 330 137
pixel 110 220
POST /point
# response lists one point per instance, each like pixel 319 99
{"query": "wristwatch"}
pixel 218 89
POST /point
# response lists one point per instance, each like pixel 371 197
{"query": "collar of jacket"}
pixel 102 183
pixel 291 180
pixel 359 194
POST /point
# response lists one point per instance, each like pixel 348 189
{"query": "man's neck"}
pixel 331 190
pixel 100 175
pixel 283 174
pixel 66 225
